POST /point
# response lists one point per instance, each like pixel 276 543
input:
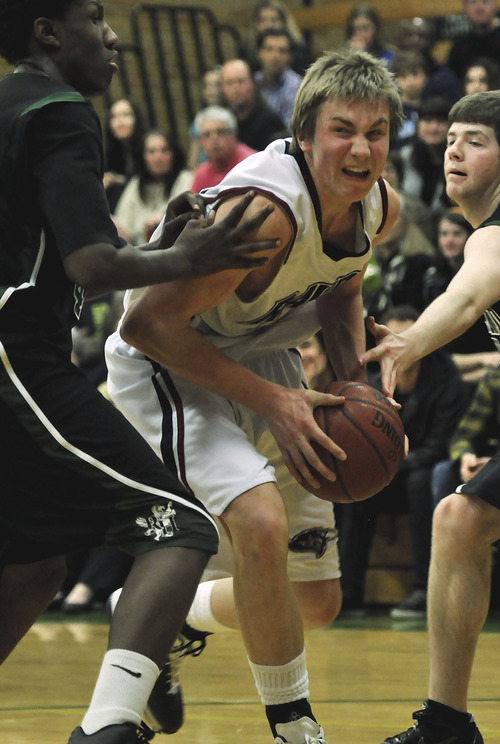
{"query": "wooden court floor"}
pixel 365 680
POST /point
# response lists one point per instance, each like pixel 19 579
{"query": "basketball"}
pixel 370 432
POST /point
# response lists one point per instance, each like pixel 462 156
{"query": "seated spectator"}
pixel 419 35
pixel 363 30
pixel 123 133
pixel 218 134
pixel 161 177
pixel 258 124
pixel 483 40
pixel 481 75
pixel 278 83
pixel 401 260
pixel 275 14
pixel 211 95
pixel 433 399
pixel 417 212
pixel 423 174
pixel 473 351
pixel 411 72
pixel 317 369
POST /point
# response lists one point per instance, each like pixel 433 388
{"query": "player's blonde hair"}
pixel 348 75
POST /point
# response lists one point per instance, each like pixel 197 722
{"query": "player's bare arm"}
pixel 345 338
pixel 342 323
pixel 195 247
pixel 474 288
pixel 159 325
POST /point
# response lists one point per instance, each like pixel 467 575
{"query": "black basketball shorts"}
pixel 75 473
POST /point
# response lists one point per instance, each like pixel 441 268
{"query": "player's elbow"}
pixel 136 328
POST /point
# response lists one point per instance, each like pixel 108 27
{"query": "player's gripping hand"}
pixel 292 424
pixel 205 248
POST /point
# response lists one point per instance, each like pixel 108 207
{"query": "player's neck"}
pixel 42 65
pixel 476 210
pixel 31 66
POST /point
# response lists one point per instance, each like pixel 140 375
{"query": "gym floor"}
pixel 366 678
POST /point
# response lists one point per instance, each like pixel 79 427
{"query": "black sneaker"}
pixel 413 607
pixel 119 733
pixel 468 734
pixel 165 712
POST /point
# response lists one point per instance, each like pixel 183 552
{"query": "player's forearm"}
pixel 345 338
pixel 102 268
pixel 186 352
pixel 444 320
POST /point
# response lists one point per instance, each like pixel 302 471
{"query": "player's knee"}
pixel 319 602
pixel 324 611
pixel 465 521
pixel 262 537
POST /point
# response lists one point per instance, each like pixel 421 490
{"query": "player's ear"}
pixel 46 32
pixel 305 143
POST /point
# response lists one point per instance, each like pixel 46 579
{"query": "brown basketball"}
pixel 370 432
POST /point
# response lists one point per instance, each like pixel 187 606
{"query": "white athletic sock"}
pixel 282 684
pixel 122 690
pixel 200 616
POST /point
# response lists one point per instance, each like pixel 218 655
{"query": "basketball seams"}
pixel 364 434
pixel 366 423
pixel 374 404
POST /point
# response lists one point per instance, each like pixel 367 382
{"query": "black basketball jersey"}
pixel 52 202
pixel 492 314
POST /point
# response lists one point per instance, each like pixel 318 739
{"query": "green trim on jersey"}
pixel 54 98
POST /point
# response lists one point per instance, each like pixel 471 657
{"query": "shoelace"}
pixel 188 647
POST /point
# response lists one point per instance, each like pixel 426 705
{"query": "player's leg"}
pixel 257 523
pixel 25 592
pixel 213 608
pixel 268 612
pixel 147 619
pixel 459 591
pixel 319 601
pixel 464 528
pixel 155 600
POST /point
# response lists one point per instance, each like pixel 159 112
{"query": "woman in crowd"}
pixel 363 30
pixel 161 177
pixel 275 14
pixel 483 74
pixel 123 133
pixel 472 352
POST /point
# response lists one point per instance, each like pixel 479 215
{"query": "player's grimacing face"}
pixel 471 160
pixel 350 146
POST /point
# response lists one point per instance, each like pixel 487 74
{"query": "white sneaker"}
pixel 303 731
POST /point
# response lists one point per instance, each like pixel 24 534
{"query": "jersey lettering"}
pixel 296 299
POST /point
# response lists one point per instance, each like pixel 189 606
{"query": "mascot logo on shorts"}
pixel 161 524
pixel 312 541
